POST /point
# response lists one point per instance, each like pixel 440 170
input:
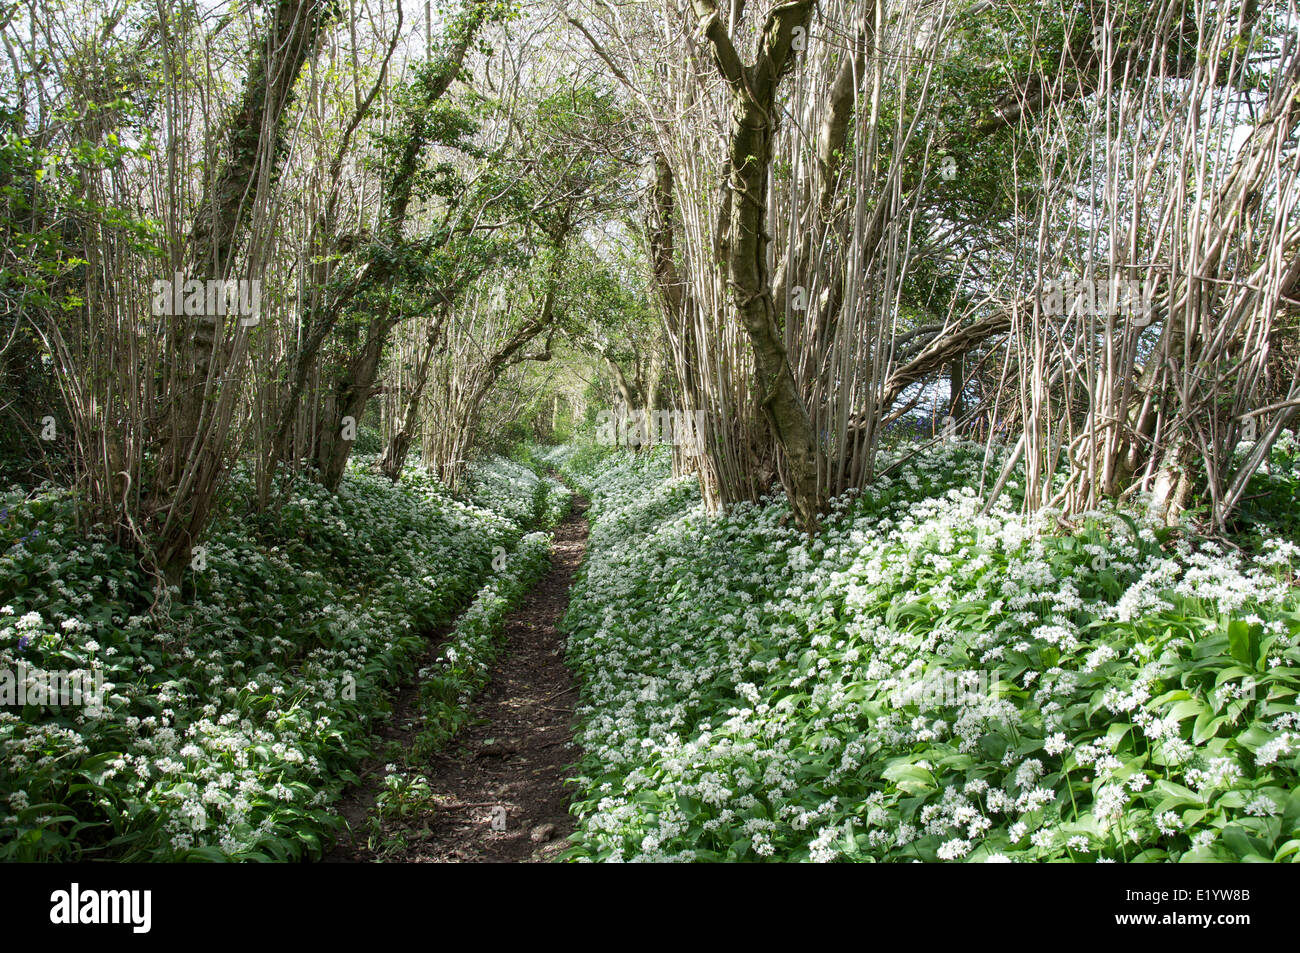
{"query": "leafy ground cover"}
pixel 232 717
pixel 926 681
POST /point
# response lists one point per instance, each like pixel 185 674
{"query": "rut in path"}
pixel 507 767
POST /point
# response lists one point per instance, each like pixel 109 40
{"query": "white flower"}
pixel 954 849
pixel 1056 744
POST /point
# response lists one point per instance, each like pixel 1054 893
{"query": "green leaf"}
pixel 1243 641
pixel 1207 726
pixel 1241 843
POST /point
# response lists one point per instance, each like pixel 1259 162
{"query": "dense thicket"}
pixel 262 258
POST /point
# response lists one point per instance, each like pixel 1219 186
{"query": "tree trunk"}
pixel 191 463
pixel 744 241
pixel 394 458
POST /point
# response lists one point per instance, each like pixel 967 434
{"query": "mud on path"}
pixel 499 784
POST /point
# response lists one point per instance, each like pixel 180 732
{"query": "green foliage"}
pixel 47 216
pixel 925 682
pixel 1268 508
pixel 233 719
pixel 369 441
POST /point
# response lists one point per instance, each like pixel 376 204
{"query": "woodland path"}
pixel 500 781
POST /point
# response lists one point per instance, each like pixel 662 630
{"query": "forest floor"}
pixel 497 790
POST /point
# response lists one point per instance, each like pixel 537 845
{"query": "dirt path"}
pixel 500 781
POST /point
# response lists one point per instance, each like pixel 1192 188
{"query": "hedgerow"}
pixel 236 711
pixel 924 681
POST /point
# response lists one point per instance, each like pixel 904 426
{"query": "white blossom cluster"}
pixel 232 715
pixel 748 693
